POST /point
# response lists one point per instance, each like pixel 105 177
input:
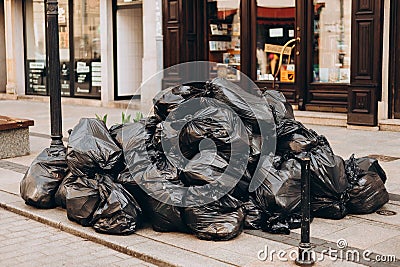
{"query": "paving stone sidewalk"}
pixel 25 242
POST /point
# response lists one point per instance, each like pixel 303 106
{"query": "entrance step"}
pixel 390 125
pixel 321 118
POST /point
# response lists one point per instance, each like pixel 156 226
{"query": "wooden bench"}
pixel 14 137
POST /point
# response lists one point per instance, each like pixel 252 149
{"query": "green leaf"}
pixel 138 117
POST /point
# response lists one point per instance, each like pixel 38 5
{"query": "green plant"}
pixel 138 117
pixel 126 118
pixel 104 118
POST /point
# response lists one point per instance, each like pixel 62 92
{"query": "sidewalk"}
pixel 377 233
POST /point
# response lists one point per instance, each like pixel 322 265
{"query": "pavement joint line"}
pixel 12 166
pixel 377 223
pixel 45 136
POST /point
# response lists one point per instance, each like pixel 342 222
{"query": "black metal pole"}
pixel 53 74
pixel 305 256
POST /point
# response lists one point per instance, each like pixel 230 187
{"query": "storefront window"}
pixel 87 48
pixel 63 29
pixel 35 47
pixel 332 36
pixel 86 80
pixel 275 27
pixel 224 38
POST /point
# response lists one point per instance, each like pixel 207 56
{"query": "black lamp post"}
pixel 53 74
pixel 305 256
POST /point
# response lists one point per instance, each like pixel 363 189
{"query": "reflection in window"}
pixel 332 24
pixel 87 48
pixel 224 37
pixel 275 27
pixel 35 46
pixel 63 29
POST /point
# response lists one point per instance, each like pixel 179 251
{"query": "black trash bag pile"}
pixel 203 138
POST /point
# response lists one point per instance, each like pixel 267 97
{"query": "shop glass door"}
pixel 275 37
pixel 64 31
pixel 224 38
pixel 87 50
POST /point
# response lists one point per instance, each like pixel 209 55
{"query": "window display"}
pixel 275 27
pixel 87 49
pixel 36 70
pixel 332 37
pixel 86 79
pixel 224 38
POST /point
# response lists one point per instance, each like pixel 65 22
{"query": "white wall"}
pixel 152 52
pixel 384 105
pixel 129 51
pixel 107 57
pixel 14 47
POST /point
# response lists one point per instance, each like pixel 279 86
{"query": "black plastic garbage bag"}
pixel 281 108
pixel 163 197
pixel 367 192
pixel 133 139
pixel 287 129
pixel 43 178
pixel 91 149
pixel 220 220
pixel 367 195
pixel 220 125
pixel 280 223
pixel 329 207
pixel 328 184
pixel 82 200
pixel 280 190
pixel 372 165
pixel 253 219
pixel 61 194
pixel 181 137
pixel 169 99
pixel 118 212
pixel 251 108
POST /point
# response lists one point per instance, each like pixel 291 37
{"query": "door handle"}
pixel 281 56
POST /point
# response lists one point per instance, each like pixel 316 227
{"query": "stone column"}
pixel 152 52
pixel 107 65
pixel 384 105
pixel 13 20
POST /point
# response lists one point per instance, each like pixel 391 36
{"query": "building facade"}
pixel 107 48
pixel 340 54
pixel 337 55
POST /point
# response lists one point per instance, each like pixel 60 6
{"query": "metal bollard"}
pixel 305 256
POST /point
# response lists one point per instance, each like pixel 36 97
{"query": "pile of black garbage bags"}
pixel 119 179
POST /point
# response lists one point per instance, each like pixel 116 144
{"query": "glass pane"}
pixel 332 36
pixel 63 28
pixel 275 27
pixel 87 47
pixel 35 46
pixel 224 37
pixel 129 50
